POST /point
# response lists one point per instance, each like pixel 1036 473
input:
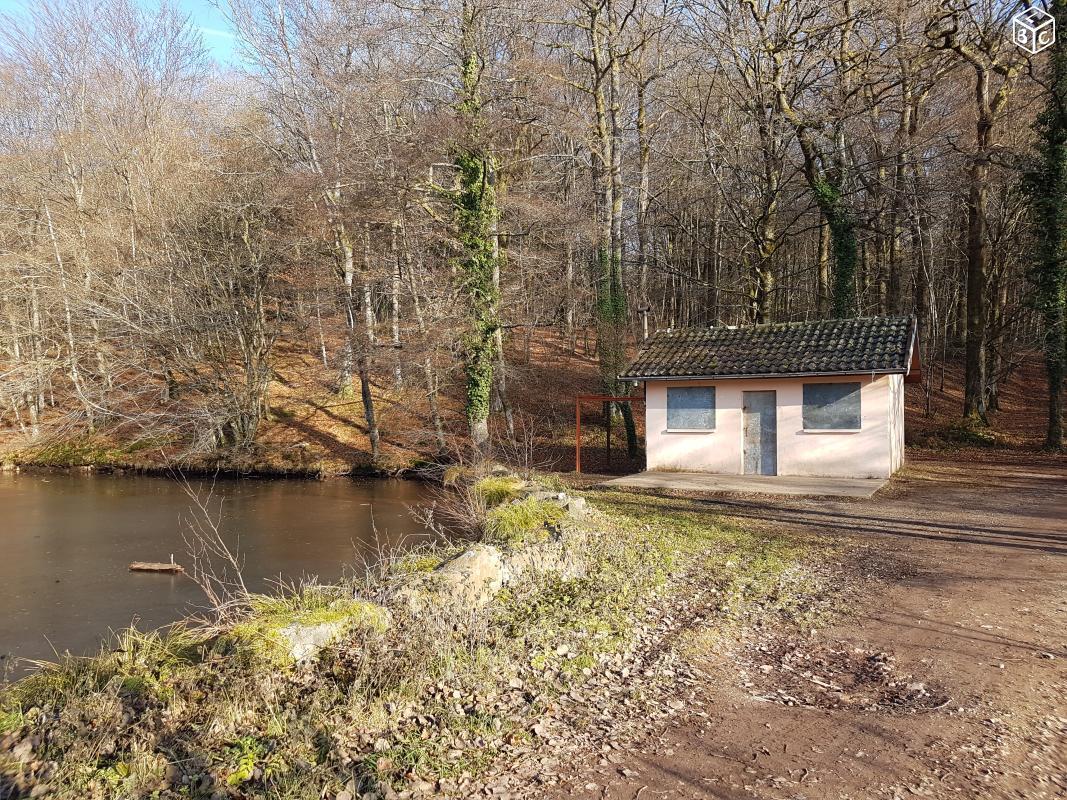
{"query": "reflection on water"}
pixel 66 542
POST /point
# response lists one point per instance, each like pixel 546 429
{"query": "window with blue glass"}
pixel 691 408
pixel 831 406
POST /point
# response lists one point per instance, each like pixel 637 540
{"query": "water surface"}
pixel 66 542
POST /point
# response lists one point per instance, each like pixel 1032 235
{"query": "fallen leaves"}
pixel 813 674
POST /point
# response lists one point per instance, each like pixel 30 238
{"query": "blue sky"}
pixel 212 24
pixel 213 27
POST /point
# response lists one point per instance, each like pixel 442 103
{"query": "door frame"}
pixel 774 394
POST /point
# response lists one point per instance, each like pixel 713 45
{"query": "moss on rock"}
pixel 280 632
pixel 523 522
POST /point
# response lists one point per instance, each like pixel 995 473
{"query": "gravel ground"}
pixel 946 675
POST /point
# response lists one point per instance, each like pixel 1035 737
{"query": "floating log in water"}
pixel 156 566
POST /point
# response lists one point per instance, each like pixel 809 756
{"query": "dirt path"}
pixel 965 591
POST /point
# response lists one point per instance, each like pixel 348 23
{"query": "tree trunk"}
pixel 974 406
pixel 344 376
pixel 842 227
pixel 822 300
pixel 475 211
pixel 368 406
pixel 363 359
pixel 394 304
pixel 644 150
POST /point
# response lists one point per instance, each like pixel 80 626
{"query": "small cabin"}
pixel 823 398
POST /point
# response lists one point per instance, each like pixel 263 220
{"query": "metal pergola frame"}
pixel 594 398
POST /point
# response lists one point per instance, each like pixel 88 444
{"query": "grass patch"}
pixel 11 720
pixel 418 563
pixel 260 635
pixel 755 573
pixel 495 489
pixel 513 525
pixel 140 664
pixel 315 605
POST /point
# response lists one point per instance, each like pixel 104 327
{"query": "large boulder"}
pixel 470 579
pixel 474 576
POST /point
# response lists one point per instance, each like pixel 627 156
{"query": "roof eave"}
pixel 893 371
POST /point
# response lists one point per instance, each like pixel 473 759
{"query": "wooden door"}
pixel 760 436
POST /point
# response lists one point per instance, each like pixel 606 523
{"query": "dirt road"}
pixel 963 598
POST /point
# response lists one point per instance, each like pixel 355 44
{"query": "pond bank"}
pixel 222 469
pixel 97 453
pixel 427 704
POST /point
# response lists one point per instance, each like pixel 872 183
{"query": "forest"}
pixel 411 193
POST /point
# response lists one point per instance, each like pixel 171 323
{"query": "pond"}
pixel 66 543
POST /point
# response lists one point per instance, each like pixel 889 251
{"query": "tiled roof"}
pixel 835 346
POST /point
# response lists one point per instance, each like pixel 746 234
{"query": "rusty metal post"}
pixel 578 435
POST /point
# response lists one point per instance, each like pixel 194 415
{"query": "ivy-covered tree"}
pixel 476 217
pixel 1046 184
pixel 820 131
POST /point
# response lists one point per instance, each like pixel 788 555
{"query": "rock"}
pixel 305 641
pixel 535 493
pixel 472 577
pixel 172 776
pixel 575 506
pixel 23 750
pixel 476 575
pixel 537 558
pixel 554 556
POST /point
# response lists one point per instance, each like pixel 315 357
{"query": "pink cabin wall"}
pixel 875 451
pixel 896 421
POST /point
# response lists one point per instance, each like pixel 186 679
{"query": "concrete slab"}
pixel 710 483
